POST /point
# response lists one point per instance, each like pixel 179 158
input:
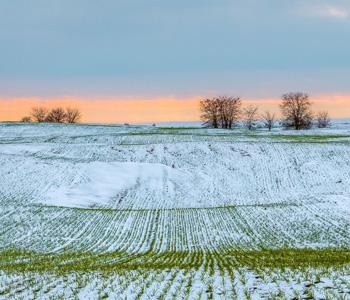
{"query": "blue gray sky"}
pixel 180 48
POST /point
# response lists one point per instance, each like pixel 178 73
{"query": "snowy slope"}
pixel 107 167
pixel 166 206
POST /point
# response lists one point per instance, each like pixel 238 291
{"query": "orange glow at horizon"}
pixel 139 110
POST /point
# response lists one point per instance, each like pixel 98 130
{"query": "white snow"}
pixel 146 167
pixel 342 202
pixel 172 191
pixel 100 183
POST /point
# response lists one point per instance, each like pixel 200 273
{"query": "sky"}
pixel 139 61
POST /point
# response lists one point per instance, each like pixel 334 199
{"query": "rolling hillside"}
pixel 141 212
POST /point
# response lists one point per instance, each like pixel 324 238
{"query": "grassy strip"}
pixel 179 128
pixel 309 136
pixel 24 261
pixel 175 209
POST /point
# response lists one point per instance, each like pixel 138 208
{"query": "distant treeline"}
pixel 296 111
pixel 55 115
pixel 220 112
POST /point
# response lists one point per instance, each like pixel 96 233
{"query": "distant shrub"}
pixel 323 120
pixel 26 119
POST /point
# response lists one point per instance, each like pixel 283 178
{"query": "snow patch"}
pixel 342 202
pixel 100 184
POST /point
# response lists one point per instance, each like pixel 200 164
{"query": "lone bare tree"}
pixel 250 114
pixel 268 119
pixel 296 110
pixel 73 115
pixel 56 115
pixel 220 111
pixel 39 114
pixel 323 119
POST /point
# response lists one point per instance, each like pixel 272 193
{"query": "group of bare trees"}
pixel 55 115
pixel 220 112
pixel 251 117
pixel 296 109
pixel 225 112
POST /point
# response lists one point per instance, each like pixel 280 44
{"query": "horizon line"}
pixel 117 110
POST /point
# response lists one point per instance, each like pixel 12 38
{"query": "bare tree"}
pixel 220 111
pixel 39 114
pixel 73 115
pixel 56 115
pixel 209 113
pixel 268 119
pixel 26 119
pixel 232 110
pixel 296 110
pixel 250 114
pixel 323 119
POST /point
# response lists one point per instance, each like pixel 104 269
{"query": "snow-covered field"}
pixel 143 212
